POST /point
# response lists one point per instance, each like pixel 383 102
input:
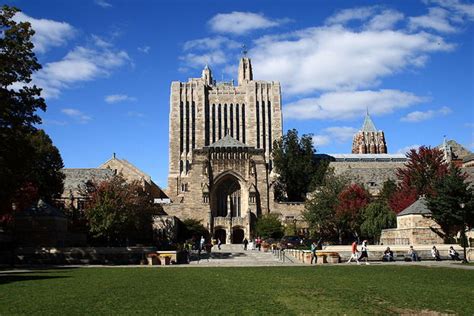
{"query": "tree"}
pixel 423 168
pixel 348 211
pixel 269 226
pixel 20 170
pixel 375 217
pixel 452 205
pixel 193 228
pixel 296 166
pixel 117 211
pixel 320 208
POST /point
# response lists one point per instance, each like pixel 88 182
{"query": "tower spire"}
pixel 245 68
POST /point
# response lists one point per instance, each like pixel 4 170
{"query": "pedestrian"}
pixel 258 243
pixel 201 244
pixel 354 252
pixel 314 246
pixel 435 254
pixel 453 254
pixel 413 254
pixel 364 252
pixel 219 243
pixel 246 242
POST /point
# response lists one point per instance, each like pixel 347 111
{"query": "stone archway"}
pixel 220 233
pixel 238 235
pixel 226 197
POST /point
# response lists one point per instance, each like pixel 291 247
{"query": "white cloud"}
pixel 144 49
pixel 48 33
pixel 406 149
pixel 460 9
pixel 77 115
pixel 350 104
pixel 339 134
pixel 210 43
pixel 385 20
pixel 335 57
pixel 239 23
pixel 418 116
pixel 347 15
pixel 103 3
pixel 79 65
pixel 116 98
pixel 436 19
pixel 321 140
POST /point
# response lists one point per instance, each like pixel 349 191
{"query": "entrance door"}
pixel 237 235
pixel 220 233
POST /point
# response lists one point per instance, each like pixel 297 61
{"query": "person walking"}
pixel 219 243
pixel 314 246
pixel 364 252
pixel 201 243
pixel 246 242
pixel 354 252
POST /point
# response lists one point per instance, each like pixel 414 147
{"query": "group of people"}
pixel 253 244
pixel 388 253
pixel 363 252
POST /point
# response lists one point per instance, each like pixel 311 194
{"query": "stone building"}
pixel 414 227
pixel 220 144
pixel 76 180
pixel 368 140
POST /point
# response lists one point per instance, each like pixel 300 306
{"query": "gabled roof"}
pixel 369 125
pixel 227 141
pixel 419 207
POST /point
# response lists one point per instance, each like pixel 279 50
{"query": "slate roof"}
pixel 77 177
pixel 369 125
pixel 227 141
pixel 41 208
pixel 419 207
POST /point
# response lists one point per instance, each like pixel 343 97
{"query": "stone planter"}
pixel 321 259
pixel 153 261
pixel 332 259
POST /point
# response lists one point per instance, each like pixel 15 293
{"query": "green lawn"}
pixel 260 290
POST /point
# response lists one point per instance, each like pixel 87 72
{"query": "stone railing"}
pixel 225 221
pixel 221 221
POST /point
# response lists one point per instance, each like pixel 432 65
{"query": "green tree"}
pixel 28 160
pixel 117 211
pixel 296 166
pixel 375 217
pixel 193 228
pixel 452 205
pixel 269 226
pixel 320 208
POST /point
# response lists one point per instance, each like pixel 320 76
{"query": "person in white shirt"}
pixel 453 254
pixel 364 253
pixel 435 253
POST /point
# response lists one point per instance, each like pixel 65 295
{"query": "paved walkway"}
pixel 236 256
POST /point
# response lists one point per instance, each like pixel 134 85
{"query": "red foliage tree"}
pixel 351 202
pixel 424 167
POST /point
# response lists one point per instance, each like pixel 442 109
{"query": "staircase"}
pixel 234 255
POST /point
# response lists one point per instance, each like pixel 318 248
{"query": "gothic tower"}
pixel 368 140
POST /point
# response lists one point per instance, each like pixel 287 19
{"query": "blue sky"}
pixel 108 65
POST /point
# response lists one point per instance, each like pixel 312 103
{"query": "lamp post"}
pixel 463 233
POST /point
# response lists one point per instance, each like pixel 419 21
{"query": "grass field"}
pixel 259 290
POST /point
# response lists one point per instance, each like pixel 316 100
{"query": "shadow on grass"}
pixel 12 277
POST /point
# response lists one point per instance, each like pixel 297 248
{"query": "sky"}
pixel 108 67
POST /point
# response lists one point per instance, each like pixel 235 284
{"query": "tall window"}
pixel 243 123
pixel 263 127
pixel 193 125
pixel 225 119
pixel 219 118
pixel 187 126
pixel 181 125
pixel 231 119
pixel 270 143
pixel 257 113
pixel 237 127
pixel 206 123
pixel 213 123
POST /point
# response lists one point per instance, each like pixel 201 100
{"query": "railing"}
pixel 280 254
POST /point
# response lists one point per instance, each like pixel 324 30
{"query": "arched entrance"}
pixel 237 235
pixel 226 197
pixel 219 233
